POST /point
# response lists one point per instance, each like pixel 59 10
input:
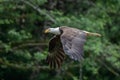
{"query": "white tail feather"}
pixel 92 34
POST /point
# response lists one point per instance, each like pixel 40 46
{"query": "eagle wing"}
pixel 73 41
pixel 56 54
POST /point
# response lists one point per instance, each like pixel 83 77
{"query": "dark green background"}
pixel 23 45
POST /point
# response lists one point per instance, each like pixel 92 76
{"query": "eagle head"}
pixel 53 30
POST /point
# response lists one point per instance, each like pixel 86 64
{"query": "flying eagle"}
pixel 67 41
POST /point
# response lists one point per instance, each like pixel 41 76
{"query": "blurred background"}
pixel 23 44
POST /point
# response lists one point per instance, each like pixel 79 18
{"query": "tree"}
pixel 23 45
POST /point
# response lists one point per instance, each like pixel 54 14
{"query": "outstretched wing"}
pixel 56 54
pixel 73 41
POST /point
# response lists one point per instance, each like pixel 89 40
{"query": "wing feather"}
pixel 56 54
pixel 73 41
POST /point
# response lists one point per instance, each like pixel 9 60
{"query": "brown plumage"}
pixel 67 41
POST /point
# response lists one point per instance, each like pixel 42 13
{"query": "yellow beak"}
pixel 47 31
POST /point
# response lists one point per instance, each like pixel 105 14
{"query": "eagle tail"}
pixel 92 34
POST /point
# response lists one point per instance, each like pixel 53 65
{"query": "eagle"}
pixel 67 41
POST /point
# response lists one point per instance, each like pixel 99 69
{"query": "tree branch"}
pixel 15 46
pixel 28 44
pixel 21 66
pixel 108 68
pixel 38 10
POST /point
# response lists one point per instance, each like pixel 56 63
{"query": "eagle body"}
pixel 67 41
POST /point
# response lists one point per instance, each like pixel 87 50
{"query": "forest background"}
pixel 23 44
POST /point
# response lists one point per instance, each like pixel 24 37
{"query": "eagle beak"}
pixel 47 31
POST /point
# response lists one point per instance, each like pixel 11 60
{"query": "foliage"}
pixel 23 45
